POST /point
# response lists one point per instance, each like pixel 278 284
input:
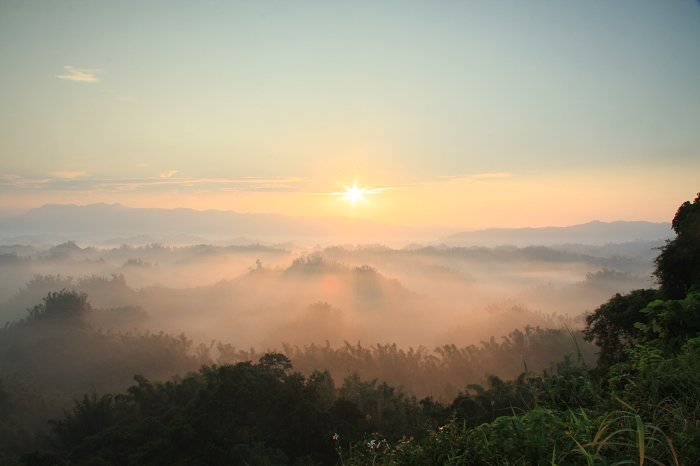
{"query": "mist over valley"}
pixel 264 294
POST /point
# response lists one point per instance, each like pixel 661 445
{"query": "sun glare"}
pixel 354 194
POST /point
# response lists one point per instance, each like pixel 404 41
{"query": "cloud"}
pixel 68 174
pixel 12 181
pixel 166 181
pixel 10 177
pixel 80 75
pixel 78 181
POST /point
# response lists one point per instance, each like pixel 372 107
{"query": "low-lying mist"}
pixel 427 319
pixel 265 296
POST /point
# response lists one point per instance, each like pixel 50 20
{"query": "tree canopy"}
pixel 64 304
pixel 678 264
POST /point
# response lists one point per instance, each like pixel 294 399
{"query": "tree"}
pixel 625 319
pixel 64 304
pixel 276 363
pixel 678 264
pixel 672 322
pixel 612 325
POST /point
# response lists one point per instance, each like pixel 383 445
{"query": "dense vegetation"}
pixel 56 353
pixel 639 405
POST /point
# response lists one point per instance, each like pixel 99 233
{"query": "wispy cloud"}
pixel 68 174
pixel 81 181
pixel 168 174
pixel 274 184
pixel 80 75
pixel 12 181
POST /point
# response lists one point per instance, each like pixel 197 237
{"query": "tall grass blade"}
pixel 673 453
pixel 640 438
pixel 585 453
pixel 579 354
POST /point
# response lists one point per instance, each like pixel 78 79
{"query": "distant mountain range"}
pixel 117 224
pixel 112 222
pixel 594 232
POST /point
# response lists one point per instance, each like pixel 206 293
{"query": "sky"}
pixel 459 114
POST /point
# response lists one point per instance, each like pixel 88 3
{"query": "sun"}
pixel 354 194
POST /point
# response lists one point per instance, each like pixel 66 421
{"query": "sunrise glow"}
pixel 354 194
pixel 255 123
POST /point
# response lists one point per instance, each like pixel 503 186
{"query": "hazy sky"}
pixel 459 113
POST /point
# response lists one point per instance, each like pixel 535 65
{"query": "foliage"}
pixel 64 304
pixel 612 325
pixel 54 355
pixel 539 436
pixel 678 264
pixel 672 322
pixel 665 389
pixel 231 414
pixel 643 406
pixel 440 373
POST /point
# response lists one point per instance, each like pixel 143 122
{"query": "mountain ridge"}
pixel 593 232
pixel 103 221
pixel 113 220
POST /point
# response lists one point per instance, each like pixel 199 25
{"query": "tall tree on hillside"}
pixel 678 264
pixel 613 325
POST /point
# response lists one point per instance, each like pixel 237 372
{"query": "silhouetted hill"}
pixel 595 232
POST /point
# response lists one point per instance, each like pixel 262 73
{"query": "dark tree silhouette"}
pixel 612 325
pixel 678 264
pixel 626 319
pixel 64 304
